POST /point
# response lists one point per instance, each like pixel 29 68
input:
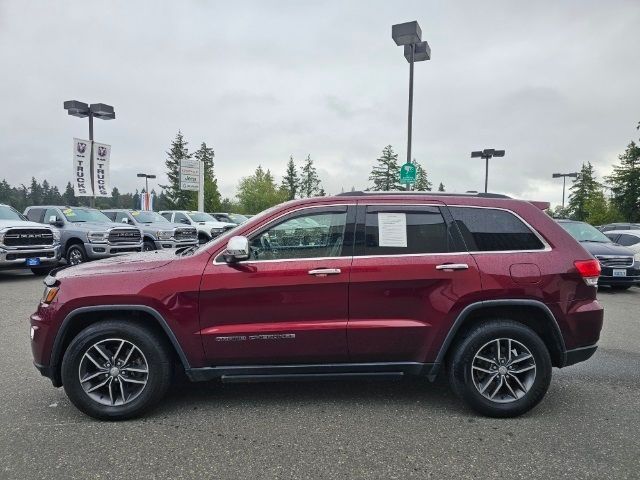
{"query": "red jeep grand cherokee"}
pixel 489 289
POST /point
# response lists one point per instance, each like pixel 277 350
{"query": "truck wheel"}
pixel 500 369
pixel 76 254
pixel 115 370
pixel 148 246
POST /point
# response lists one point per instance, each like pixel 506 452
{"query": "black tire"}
pixel 620 287
pixel 464 352
pixel 148 246
pixel 76 254
pixel 41 271
pixel 155 351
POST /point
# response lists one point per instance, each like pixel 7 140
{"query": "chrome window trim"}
pixel 248 235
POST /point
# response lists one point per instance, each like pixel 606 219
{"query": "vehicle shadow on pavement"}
pixel 17 276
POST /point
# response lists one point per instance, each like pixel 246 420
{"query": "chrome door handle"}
pixel 452 266
pixel 322 272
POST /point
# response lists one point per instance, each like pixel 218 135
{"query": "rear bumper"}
pixel 578 355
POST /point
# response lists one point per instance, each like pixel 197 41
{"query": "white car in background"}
pixel 627 238
pixel 208 227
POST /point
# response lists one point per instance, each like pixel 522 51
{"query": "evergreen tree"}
pixel 422 181
pixel 259 192
pixel 625 183
pixel 69 196
pixel 135 200
pixel 35 196
pixel 177 198
pixel 584 189
pixel 309 185
pixel 115 198
pixel 441 187
pixel 291 181
pixel 385 175
pixel 211 193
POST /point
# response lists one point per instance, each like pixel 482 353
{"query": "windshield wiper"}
pixel 187 250
pixel 595 241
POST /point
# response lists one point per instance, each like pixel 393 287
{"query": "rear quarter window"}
pixel 492 230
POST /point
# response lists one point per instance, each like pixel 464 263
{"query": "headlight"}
pixel 636 257
pixel 164 234
pixel 56 235
pixel 98 237
pixel 216 231
pixel 1 237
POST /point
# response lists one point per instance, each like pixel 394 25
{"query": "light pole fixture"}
pixel 146 177
pixel 564 181
pixel 487 153
pixel 409 35
pixel 95 110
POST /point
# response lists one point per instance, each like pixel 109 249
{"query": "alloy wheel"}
pixel 75 256
pixel 113 372
pixel 503 370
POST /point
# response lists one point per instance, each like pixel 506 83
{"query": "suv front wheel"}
pixel 500 368
pixel 115 370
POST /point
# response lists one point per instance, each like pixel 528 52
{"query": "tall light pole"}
pixel 564 181
pixel 487 153
pixel 97 110
pixel 146 177
pixel 409 35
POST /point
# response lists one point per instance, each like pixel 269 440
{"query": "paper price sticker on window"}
pixel 392 230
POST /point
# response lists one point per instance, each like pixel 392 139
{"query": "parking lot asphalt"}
pixel 588 426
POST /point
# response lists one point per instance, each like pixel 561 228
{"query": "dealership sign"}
pixel 189 174
pixel 101 155
pixel 82 168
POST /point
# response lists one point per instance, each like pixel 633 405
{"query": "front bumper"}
pixel 17 258
pixel 106 250
pixel 160 244
pixel 632 276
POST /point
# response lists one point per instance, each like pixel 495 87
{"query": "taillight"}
pixel 589 270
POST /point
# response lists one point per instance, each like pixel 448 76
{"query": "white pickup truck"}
pixel 208 227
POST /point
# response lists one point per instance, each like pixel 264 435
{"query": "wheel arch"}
pixel 80 318
pixel 532 313
pixel 72 241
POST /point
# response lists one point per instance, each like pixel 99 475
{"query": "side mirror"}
pixel 53 220
pixel 125 220
pixel 237 249
pixel 185 221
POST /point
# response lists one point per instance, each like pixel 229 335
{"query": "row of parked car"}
pixel 44 235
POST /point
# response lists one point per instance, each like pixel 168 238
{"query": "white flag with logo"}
pixel 101 154
pixel 82 168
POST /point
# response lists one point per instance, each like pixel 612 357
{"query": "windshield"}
pixel 74 214
pixel 8 213
pixel 583 232
pixel 148 217
pixel 201 217
pixel 238 218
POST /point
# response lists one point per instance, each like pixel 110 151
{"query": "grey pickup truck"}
pixel 87 233
pixel 25 244
pixel 157 231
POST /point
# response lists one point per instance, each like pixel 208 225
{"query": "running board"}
pixel 314 371
pixel 297 377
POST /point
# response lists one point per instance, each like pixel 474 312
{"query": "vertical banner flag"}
pixel 146 201
pixel 82 168
pixel 101 155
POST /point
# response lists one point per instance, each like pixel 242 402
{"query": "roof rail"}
pixel 443 194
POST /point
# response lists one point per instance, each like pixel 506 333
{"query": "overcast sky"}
pixel 555 83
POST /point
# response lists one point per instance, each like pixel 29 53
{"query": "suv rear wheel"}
pixel 500 368
pixel 116 370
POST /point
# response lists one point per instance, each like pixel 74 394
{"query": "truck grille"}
pixel 185 234
pixel 28 237
pixel 615 261
pixel 122 235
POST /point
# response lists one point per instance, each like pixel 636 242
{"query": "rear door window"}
pixel 404 230
pixel 492 230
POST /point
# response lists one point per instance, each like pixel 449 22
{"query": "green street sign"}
pixel 408 173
